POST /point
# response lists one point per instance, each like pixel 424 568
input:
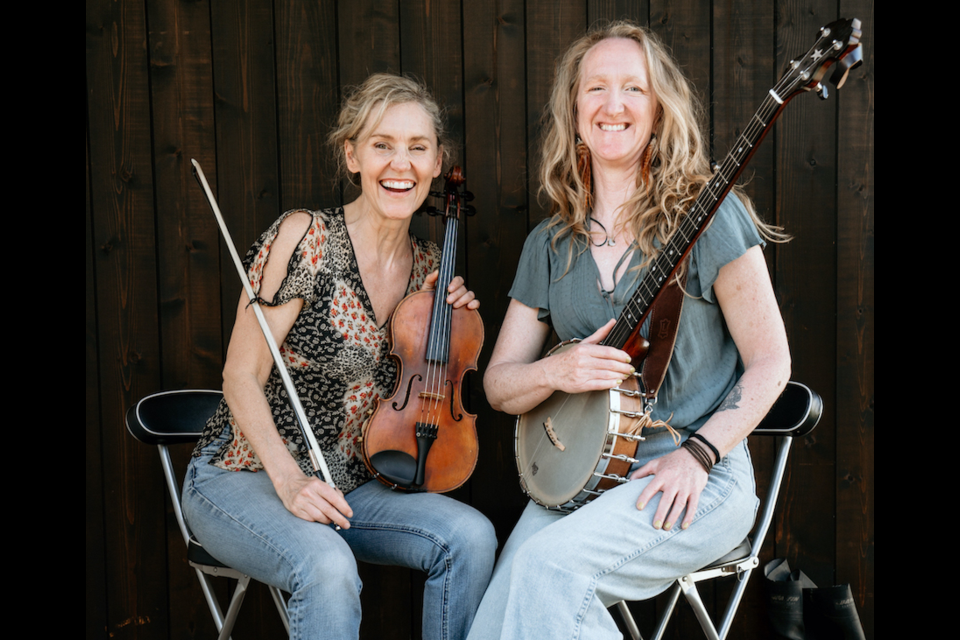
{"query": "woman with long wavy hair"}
pixel 623 156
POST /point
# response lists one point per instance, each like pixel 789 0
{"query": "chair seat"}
pixel 741 552
pixel 198 555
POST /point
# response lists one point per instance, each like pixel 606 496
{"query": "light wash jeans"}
pixel 558 574
pixel 240 520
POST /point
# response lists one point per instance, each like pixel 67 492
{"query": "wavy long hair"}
pixel 679 162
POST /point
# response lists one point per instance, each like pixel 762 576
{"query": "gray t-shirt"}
pixel 705 364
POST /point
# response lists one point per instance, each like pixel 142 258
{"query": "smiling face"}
pixel 397 160
pixel 616 107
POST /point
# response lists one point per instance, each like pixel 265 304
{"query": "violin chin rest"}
pixel 396 467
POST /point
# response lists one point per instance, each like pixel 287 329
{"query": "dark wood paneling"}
pixel 125 295
pixel 308 101
pixel 806 167
pixel 94 550
pixel 251 87
pixel 496 164
pixel 246 176
pixel 188 256
pixel 551 27
pixel 855 327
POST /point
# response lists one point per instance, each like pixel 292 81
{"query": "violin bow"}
pixel 313 449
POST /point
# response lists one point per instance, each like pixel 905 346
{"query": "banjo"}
pixel 573 447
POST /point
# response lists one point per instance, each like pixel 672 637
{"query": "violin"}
pixel 421 438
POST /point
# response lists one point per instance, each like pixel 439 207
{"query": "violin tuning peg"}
pixel 468 196
pixel 469 210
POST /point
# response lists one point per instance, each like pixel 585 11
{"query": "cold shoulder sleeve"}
pixel 731 233
pixel 302 267
pixel 534 273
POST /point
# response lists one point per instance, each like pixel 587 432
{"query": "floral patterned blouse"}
pixel 336 355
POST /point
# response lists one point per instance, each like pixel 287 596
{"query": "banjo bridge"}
pixel 548 427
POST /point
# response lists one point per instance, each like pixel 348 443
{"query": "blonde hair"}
pixel 679 165
pixel 365 104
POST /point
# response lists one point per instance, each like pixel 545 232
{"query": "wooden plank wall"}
pixel 250 88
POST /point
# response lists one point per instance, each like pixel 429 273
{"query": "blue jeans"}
pixel 558 574
pixel 240 520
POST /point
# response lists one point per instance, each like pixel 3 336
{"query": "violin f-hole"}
pixel 457 417
pixel 406 398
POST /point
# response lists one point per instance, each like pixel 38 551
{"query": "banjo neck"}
pixel 838 46
pixel 692 224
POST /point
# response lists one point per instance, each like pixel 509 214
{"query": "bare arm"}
pixel 750 309
pixel 516 381
pixel 245 374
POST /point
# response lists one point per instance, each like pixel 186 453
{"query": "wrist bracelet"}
pixel 698 454
pixel 699 437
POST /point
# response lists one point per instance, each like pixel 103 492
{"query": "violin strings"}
pixel 431 406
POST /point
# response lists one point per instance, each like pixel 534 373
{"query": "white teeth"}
pixel 397 184
pixel 612 127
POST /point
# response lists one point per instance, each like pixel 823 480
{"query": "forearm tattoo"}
pixel 732 400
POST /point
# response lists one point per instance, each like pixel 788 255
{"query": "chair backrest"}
pixel 172 417
pixel 795 413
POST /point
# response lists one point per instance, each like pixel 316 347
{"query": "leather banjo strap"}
pixel 664 322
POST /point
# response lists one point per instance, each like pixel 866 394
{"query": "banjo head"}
pixel 559 445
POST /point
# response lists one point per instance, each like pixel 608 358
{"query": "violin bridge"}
pixel 426 395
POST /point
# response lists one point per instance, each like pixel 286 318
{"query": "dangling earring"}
pixel 648 155
pixel 583 168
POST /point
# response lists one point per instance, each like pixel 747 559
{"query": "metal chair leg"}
pixel 628 620
pixel 211 599
pixel 734 603
pixel 667 612
pixel 693 597
pixel 234 609
pixel 281 607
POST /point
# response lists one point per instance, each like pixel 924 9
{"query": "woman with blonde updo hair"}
pixel 623 156
pixel 328 282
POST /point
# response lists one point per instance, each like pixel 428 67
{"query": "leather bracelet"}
pixel 699 455
pixel 699 437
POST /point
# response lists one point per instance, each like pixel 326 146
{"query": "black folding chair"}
pixel 177 417
pixel 794 415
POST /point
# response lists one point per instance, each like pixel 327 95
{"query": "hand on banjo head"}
pixel 588 366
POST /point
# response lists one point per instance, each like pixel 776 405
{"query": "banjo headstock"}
pixel 837 46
